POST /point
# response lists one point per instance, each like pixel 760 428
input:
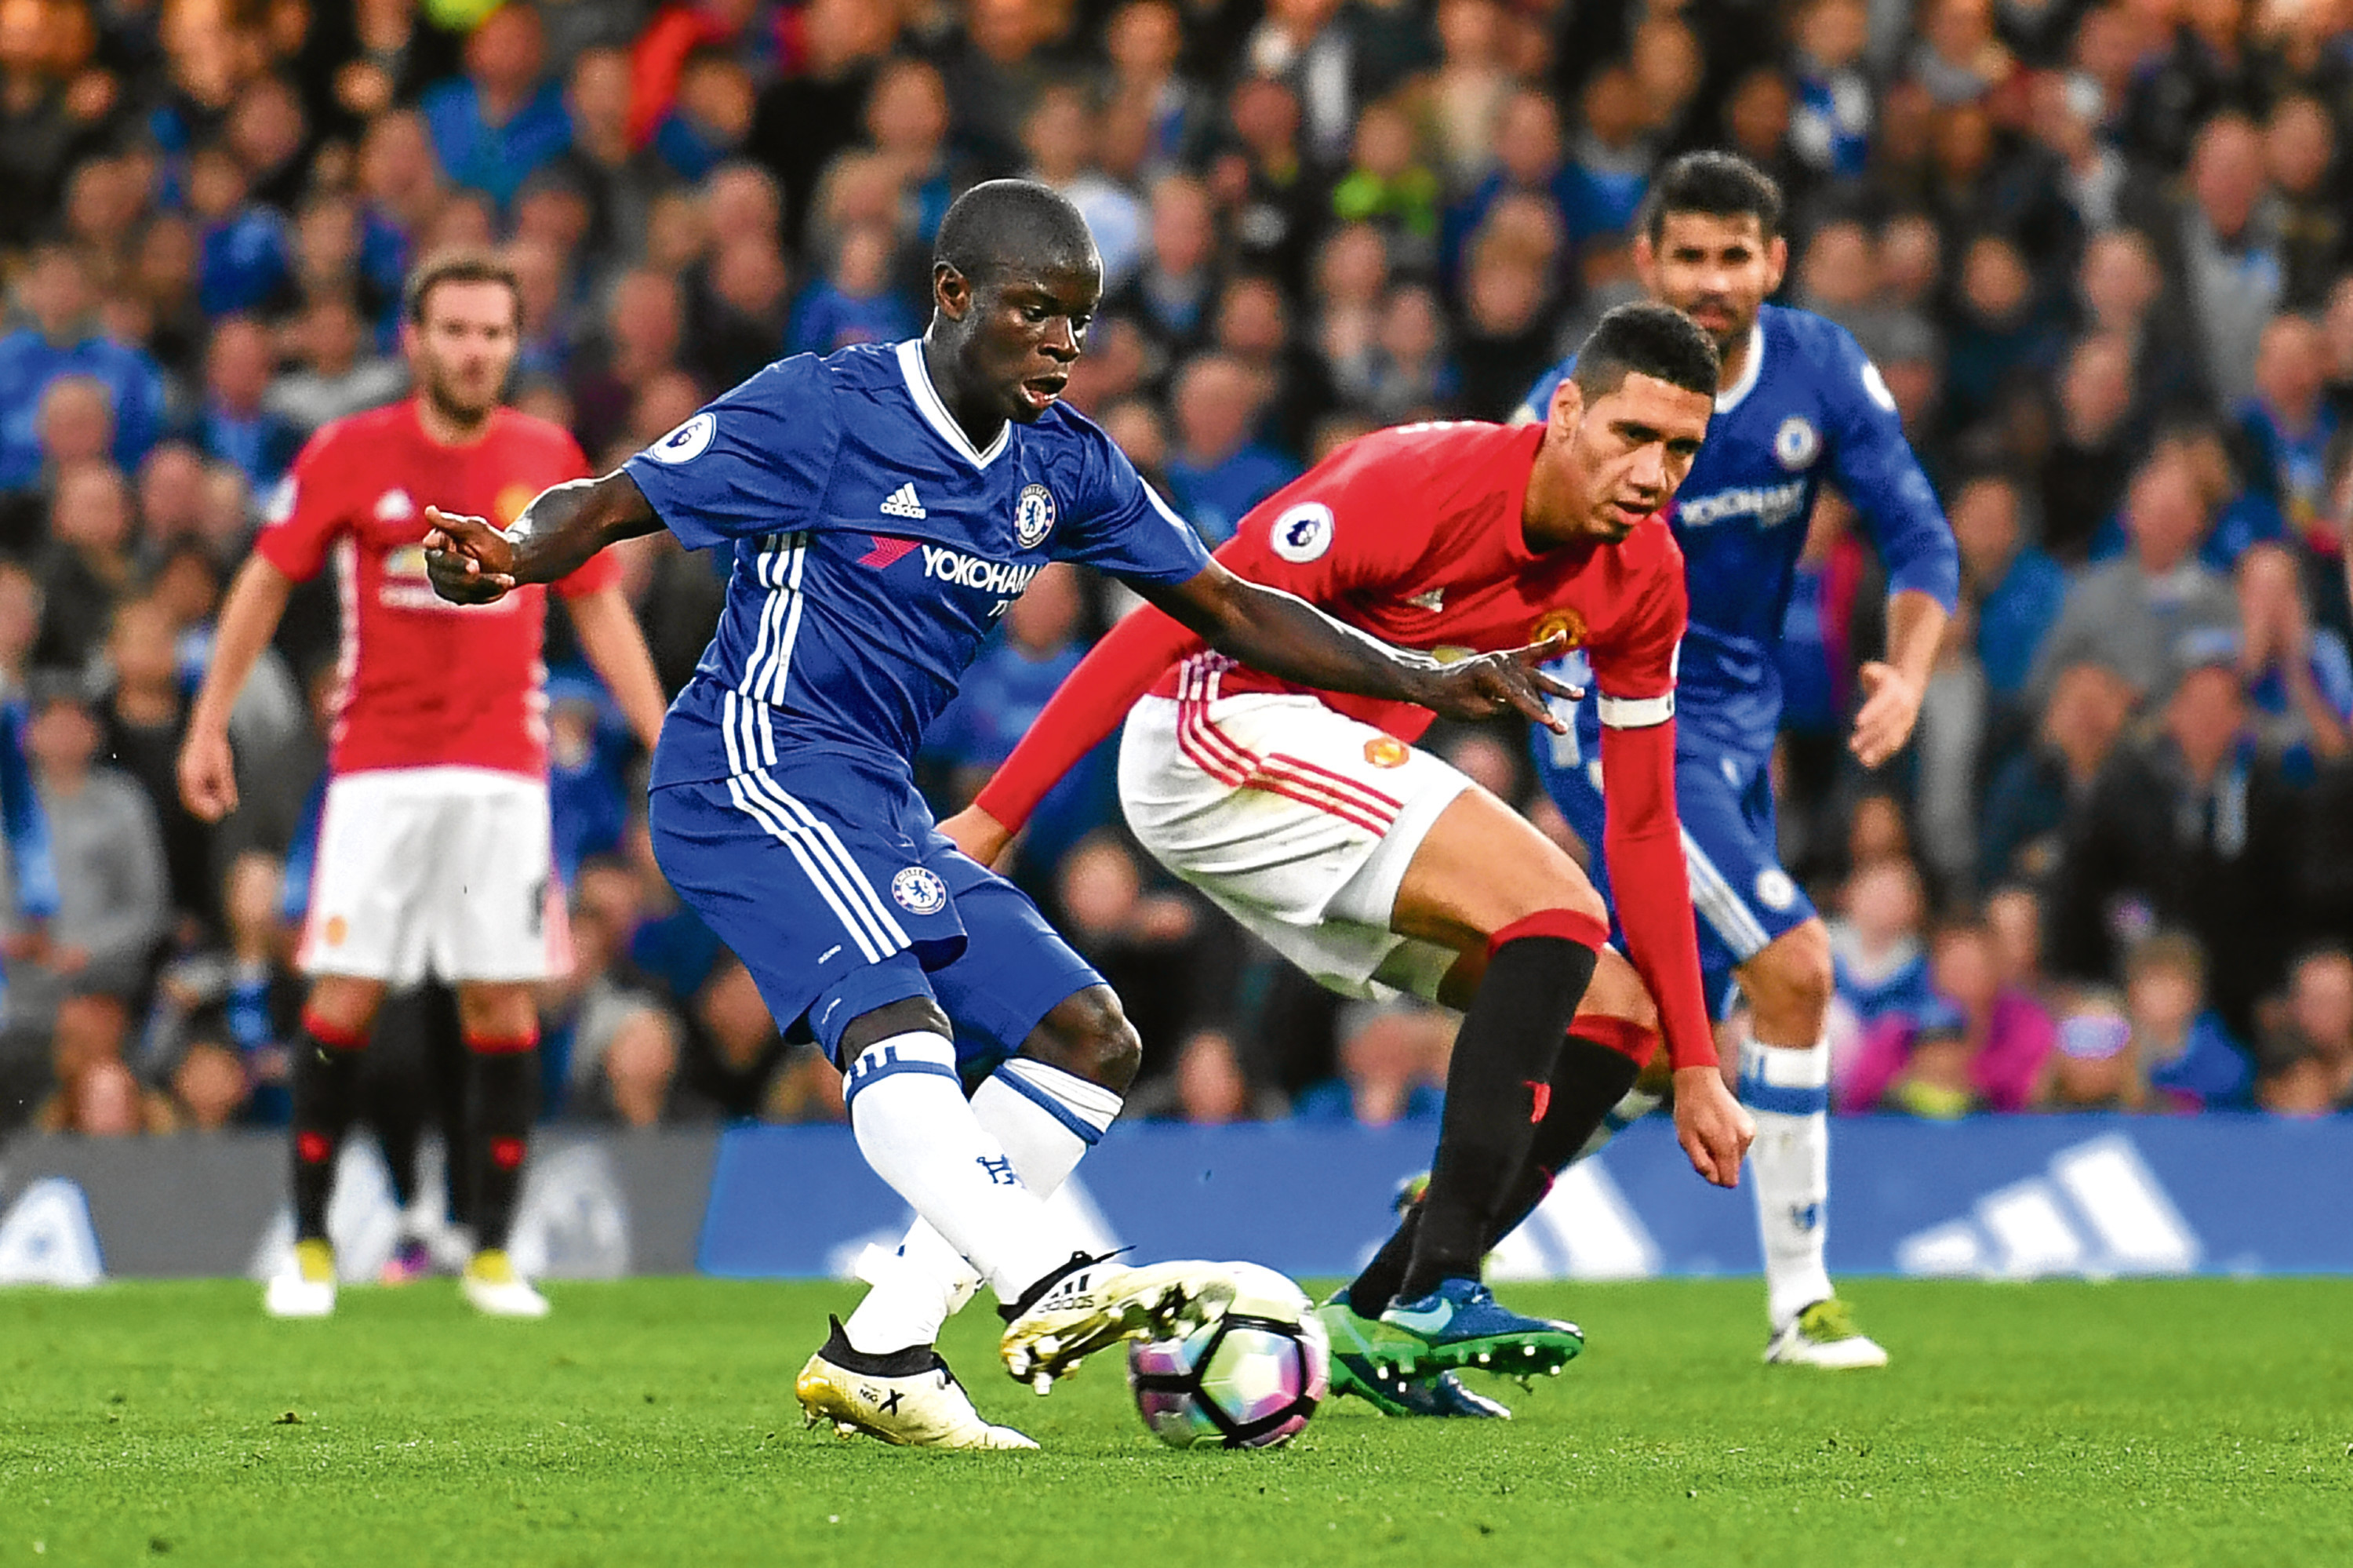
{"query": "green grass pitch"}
pixel 2195 1423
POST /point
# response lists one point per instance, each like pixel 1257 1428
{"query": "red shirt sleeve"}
pixel 305 513
pixel 1351 524
pixel 1641 835
pixel 1325 535
pixel 1114 674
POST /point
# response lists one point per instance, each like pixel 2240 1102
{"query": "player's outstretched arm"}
pixel 472 563
pixel 1286 636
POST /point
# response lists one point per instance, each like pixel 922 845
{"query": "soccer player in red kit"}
pixel 434 849
pixel 1379 868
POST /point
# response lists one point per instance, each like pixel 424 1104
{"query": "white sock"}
pixel 1038 1113
pixel 919 1133
pixel 1621 1116
pixel 1787 1089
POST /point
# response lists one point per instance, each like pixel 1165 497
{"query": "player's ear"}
pixel 951 290
pixel 1567 404
pixel 1646 262
pixel 1776 262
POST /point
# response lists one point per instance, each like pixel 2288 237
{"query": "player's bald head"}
pixel 1018 228
pixel 1646 338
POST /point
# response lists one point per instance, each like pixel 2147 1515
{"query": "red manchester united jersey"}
pixel 425 683
pixel 1414 534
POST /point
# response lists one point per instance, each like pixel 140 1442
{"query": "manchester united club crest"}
pixel 1565 622
pixel 1033 517
pixel 1386 751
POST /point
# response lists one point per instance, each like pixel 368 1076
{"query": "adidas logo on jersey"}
pixel 903 503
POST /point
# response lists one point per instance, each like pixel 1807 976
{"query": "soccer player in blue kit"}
pixel 1798 405
pixel 884 505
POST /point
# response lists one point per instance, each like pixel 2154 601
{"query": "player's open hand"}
pixel 470 561
pixel 1890 707
pixel 1713 1129
pixel 981 836
pixel 207 774
pixel 1490 684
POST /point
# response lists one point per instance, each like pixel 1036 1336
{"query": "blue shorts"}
pixel 833 885
pixel 1742 897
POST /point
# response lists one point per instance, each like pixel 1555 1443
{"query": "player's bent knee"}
pixel 1561 889
pixel 908 1015
pixel 1791 981
pixel 1088 1036
pixel 1618 992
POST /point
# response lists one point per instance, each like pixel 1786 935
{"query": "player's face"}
pixel 1024 332
pixel 1716 270
pixel 461 352
pixel 1629 450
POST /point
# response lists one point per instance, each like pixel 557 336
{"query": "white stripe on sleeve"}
pixel 1637 712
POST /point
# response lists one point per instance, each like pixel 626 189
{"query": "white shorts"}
pixel 1309 852
pixel 442 871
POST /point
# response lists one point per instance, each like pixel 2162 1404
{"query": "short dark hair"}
pixel 1646 338
pixel 455 266
pixel 1017 226
pixel 1720 184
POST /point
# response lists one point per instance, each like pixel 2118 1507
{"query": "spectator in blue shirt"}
pixel 1877 960
pixel 2299 679
pixel 505 117
pixel 854 302
pixel 711 116
pixel 1829 127
pixel 243 262
pixel 61 340
pixel 237 426
pixel 1392 1069
pixel 587 802
pixel 2190 1060
pixel 2239 516
pixel 2287 428
pixel 1217 473
pixel 2018 589
pixel 1608 170
pixel 1527 159
pixel 401 188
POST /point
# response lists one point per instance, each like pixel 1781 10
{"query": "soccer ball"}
pixel 1249 1378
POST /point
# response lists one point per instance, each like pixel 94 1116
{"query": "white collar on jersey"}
pixel 936 413
pixel 1730 398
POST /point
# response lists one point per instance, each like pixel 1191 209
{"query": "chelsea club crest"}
pixel 1033 517
pixel 1796 444
pixel 919 890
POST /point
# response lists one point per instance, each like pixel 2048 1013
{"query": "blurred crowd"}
pixel 2103 254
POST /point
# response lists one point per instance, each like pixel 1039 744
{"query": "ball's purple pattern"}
pixel 1243 1381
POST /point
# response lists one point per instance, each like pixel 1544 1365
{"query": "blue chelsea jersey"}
pixel 874 549
pixel 1809 408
